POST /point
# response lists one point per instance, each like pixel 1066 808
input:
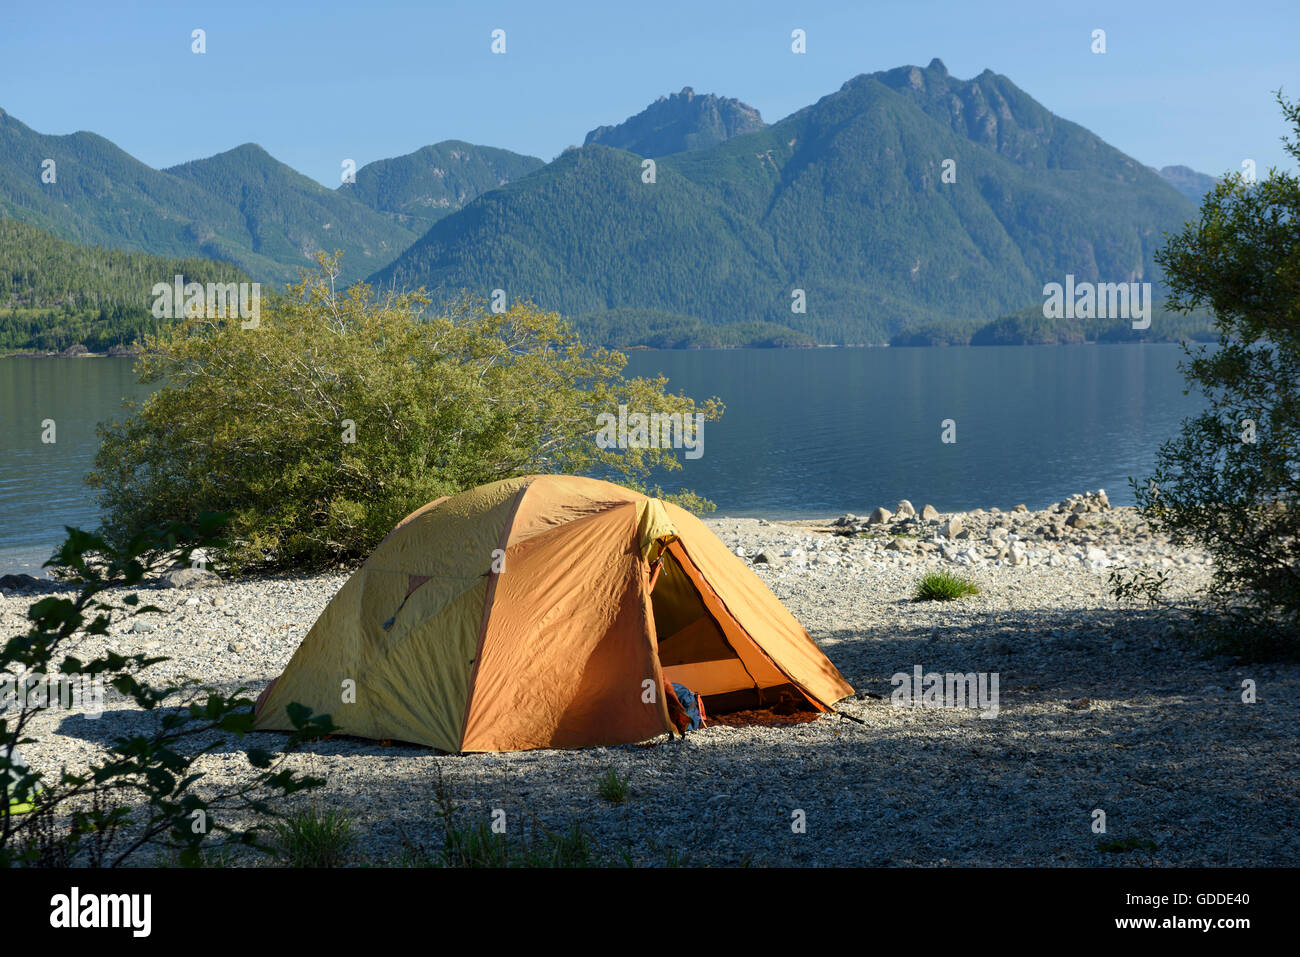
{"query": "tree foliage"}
pixel 1231 480
pixel 342 413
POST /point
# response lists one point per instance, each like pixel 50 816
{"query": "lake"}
pixel 806 431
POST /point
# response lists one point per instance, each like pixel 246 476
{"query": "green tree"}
pixel 340 413
pixel 1230 481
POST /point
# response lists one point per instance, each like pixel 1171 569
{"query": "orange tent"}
pixel 546 612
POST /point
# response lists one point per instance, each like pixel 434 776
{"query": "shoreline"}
pixel 26 559
pixel 828 345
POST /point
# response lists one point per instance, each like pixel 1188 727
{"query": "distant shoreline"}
pixel 832 345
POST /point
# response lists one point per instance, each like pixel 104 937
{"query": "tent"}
pixel 546 611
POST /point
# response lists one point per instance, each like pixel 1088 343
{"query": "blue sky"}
pixel 316 83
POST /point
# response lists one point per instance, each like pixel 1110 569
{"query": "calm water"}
pixel 809 432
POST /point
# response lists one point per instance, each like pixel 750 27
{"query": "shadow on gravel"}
pixel 1100 709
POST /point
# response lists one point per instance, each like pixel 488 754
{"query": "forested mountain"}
pixel 54 293
pixel 846 200
pixel 103 196
pixel 682 121
pixel 1188 181
pixel 289 217
pixel 242 206
pixel 422 187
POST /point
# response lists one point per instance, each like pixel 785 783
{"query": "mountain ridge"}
pixel 845 199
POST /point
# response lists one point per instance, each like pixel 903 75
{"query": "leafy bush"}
pixel 340 414
pixel 944 586
pixel 1230 481
pixel 144 793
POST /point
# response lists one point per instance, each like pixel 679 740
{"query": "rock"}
pixel 765 557
pixel 740 551
pixel 880 516
pixel 1102 500
pixel 997 533
pixel 20 583
pixel 187 577
pixel 141 626
pixel 951 528
pixel 1016 554
pixel 899 544
pixel 848 518
pixel 904 509
pixel 1021 508
pixel 1079 520
pixel 929 513
pixel 1094 554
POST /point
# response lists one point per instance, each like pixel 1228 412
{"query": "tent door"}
pixel 704 648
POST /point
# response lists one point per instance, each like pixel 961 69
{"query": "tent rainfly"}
pixel 548 611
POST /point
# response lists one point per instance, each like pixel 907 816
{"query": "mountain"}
pixel 1189 182
pixel 242 206
pixel 422 187
pixel 288 217
pixel 54 293
pixel 680 122
pixel 845 199
pixel 102 195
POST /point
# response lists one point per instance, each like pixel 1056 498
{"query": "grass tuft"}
pixel 944 586
pixel 314 839
pixel 612 788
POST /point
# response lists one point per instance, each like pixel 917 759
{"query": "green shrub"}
pixel 144 793
pixel 339 414
pixel 944 586
pixel 1230 481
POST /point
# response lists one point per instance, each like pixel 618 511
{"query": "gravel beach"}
pixel 1101 707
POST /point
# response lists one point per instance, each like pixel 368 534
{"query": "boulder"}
pixel 848 518
pixel 929 513
pixel 952 528
pixel 1079 520
pixel 904 509
pixel 20 583
pixel 880 516
pixel 1021 508
pixel 188 577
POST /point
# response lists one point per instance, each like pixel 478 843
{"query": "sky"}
pixel 1181 83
